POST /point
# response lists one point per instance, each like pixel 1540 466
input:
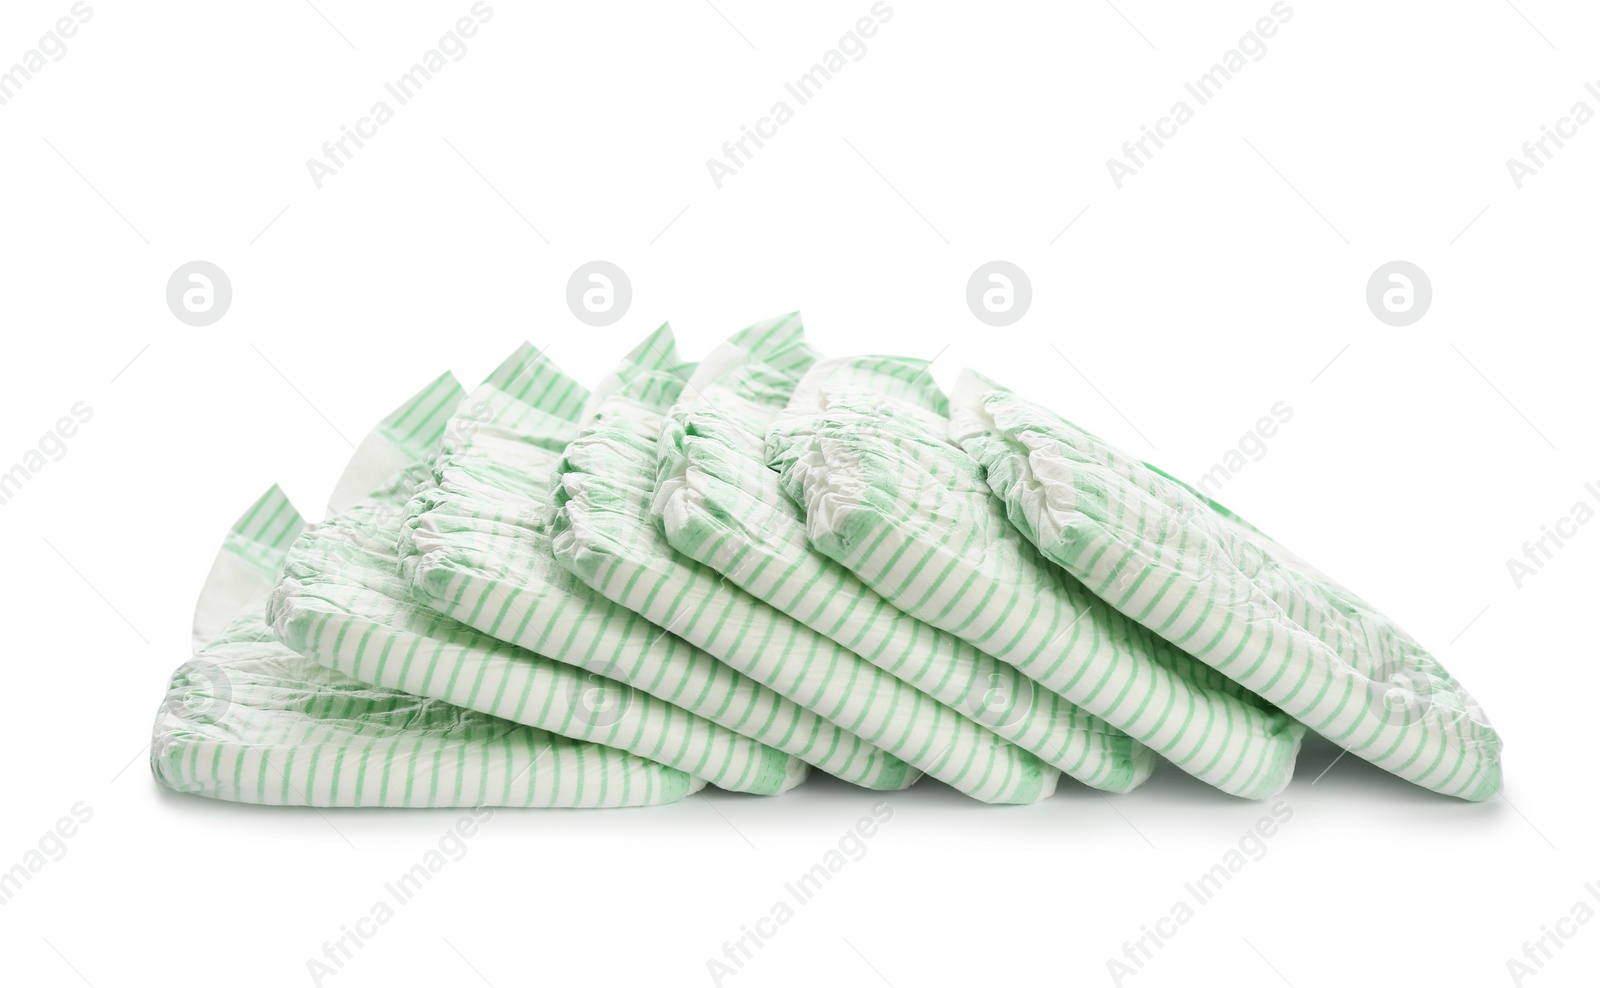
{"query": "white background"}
pixel 1224 277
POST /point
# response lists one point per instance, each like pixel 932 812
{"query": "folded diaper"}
pixel 605 532
pixel 599 520
pixel 886 494
pixel 1204 579
pixel 247 719
pixel 734 571
pixel 474 547
pixel 343 602
pixel 719 504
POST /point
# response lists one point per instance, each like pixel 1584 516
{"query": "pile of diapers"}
pixel 738 571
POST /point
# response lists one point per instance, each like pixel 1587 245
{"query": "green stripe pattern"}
pixel 475 548
pixel 719 504
pixel 726 509
pixel 890 497
pixel 603 532
pixel 343 601
pixel 417 425
pixel 249 720
pixel 735 571
pixel 1200 577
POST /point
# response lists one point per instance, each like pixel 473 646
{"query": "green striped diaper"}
pixel 718 503
pixel 603 532
pixel 474 547
pixel 247 719
pixel 887 495
pixel 1192 572
pixel 344 602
